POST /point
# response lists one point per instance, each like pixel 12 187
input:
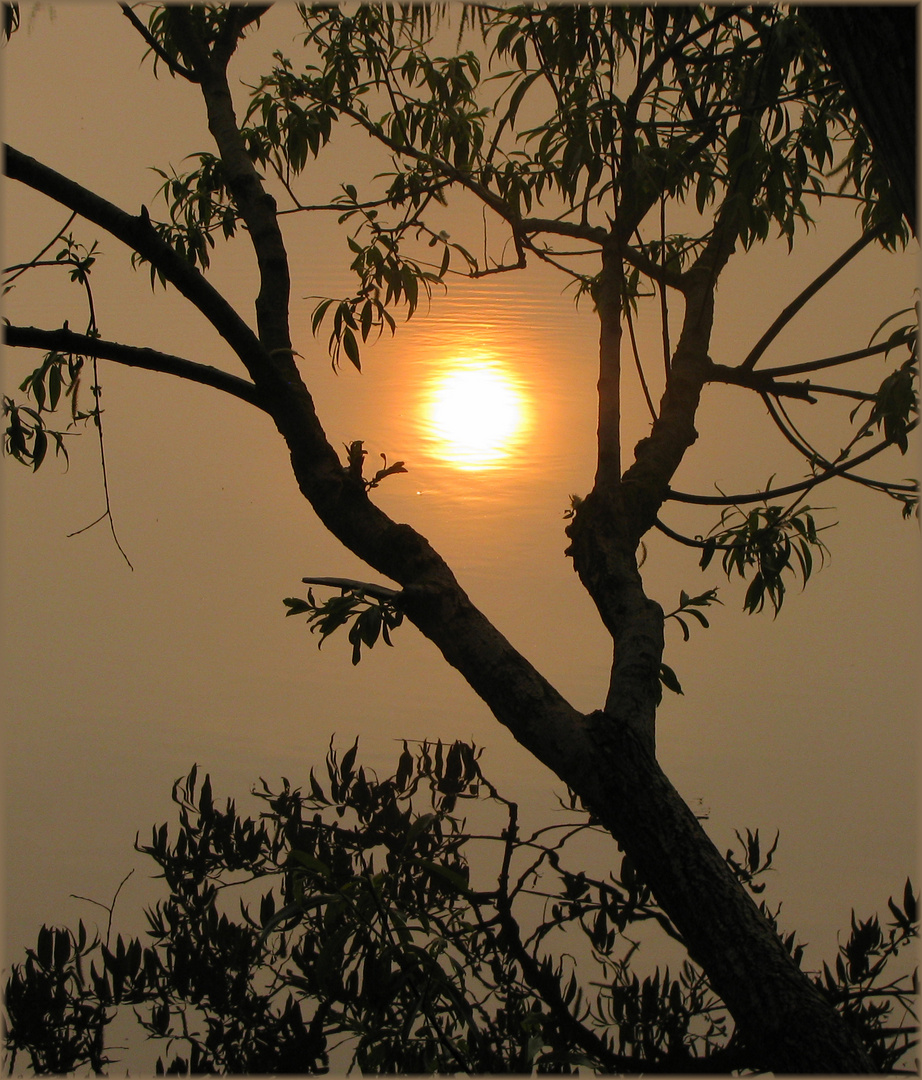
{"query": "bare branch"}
pixel 829 361
pixel 808 293
pixel 790 489
pixel 380 592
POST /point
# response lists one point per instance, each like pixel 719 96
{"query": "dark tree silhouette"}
pixel 357 924
pixel 642 111
pixel 872 51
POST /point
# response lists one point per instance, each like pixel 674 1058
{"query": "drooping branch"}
pixel 66 341
pixel 784 424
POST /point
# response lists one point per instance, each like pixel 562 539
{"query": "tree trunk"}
pixel 784 1020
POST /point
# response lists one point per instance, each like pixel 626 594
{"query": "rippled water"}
pixel 488 397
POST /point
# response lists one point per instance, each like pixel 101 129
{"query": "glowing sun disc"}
pixel 476 415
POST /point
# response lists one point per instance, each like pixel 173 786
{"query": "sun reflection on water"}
pixel 475 413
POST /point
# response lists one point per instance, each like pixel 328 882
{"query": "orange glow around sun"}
pixel 475 413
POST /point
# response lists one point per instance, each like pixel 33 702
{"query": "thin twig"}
pixel 23 267
pixel 107 513
pixel 106 907
pixel 790 489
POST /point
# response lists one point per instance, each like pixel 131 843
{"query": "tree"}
pixel 381 922
pixel 633 110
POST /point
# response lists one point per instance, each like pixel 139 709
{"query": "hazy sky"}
pixel 115 682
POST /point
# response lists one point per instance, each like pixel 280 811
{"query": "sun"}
pixel 475 414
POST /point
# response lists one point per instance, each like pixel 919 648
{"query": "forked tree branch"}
pixel 140 236
pixel 806 294
pixel 759 381
pixel 790 489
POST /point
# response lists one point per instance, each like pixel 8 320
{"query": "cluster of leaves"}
pixel 767 538
pixel 699 77
pixel 199 203
pixel 386 277
pixel 862 171
pixel 371 617
pixel 895 406
pixel 377 941
pixel 202 28
pixel 27 436
pixel 287 132
pixel 858 986
pixel 53 983
pixel 688 606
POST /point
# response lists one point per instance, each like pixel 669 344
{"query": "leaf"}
pixel 455 879
pixel 351 347
pixel 909 901
pixel 404 769
pixel 669 680
pixel 319 311
pixel 296 606
pixel 345 768
pixel 309 862
pixel 39 447
pixel 366 319
pixel 707 552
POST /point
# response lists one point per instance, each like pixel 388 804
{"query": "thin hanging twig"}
pixel 107 513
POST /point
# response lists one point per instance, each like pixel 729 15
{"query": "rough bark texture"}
pixel 783 1018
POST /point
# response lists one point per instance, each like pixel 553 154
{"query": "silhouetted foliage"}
pixel 370 917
